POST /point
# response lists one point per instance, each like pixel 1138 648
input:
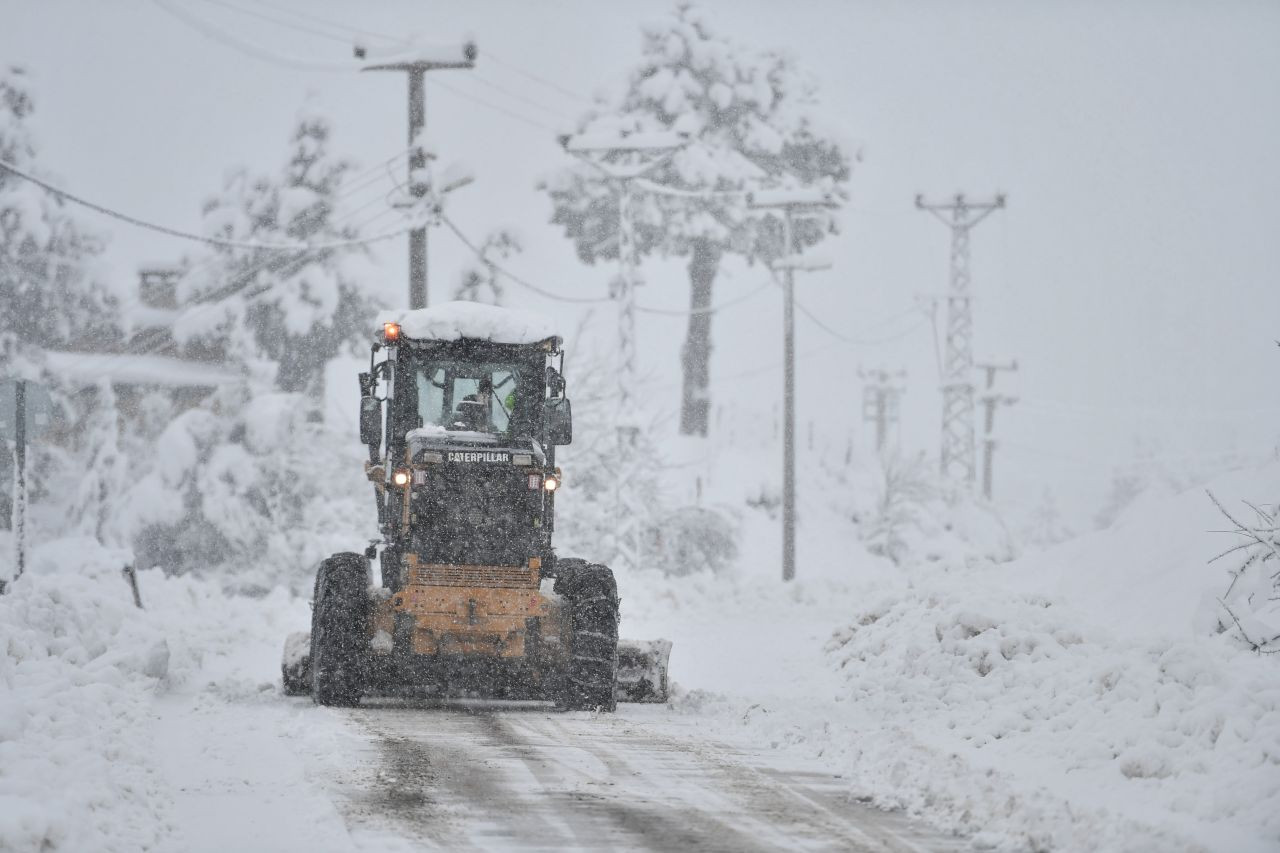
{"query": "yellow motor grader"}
pixel 471 599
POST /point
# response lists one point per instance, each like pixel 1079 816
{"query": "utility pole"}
pixel 622 158
pixel 416 63
pixel 791 203
pixel 880 401
pixel 960 215
pixel 20 483
pixel 990 399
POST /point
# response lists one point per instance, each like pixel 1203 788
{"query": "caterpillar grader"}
pixel 471 599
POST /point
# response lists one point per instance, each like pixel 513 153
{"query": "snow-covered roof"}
pixel 451 321
pixel 129 369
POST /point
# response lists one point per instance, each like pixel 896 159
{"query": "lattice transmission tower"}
pixel 958 447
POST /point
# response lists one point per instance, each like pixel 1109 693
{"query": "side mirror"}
pixel 558 416
pixel 370 421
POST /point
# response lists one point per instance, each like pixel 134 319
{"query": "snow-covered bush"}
pixel 1251 604
pixel 691 539
pixel 918 518
pixel 246 486
pixel 906 490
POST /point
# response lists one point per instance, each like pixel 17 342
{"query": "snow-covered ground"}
pixel 1073 699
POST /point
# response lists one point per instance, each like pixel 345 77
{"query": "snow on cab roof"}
pixel 450 321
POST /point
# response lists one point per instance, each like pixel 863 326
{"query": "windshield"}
pixel 477 396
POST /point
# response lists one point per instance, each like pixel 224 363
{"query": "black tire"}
pixel 339 630
pixel 592 669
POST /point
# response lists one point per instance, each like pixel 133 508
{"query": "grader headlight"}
pixel 551 482
pixel 401 477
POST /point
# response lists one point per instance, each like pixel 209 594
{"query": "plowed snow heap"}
pixel 473 600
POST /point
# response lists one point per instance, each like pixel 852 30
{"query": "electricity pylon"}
pixel 958 451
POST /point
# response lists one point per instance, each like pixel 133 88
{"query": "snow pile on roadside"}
pixel 75 673
pixel 1184 736
pixel 80 667
pixel 1086 680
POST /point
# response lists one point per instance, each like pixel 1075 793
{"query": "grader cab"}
pixel 471 598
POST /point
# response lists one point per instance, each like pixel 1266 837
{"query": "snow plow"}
pixel 471 600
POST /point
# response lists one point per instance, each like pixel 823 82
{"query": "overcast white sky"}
pixel 1133 275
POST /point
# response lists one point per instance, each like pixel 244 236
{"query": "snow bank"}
pixel 76 672
pixel 450 321
pixel 1184 736
pixel 80 668
pixel 1148 574
pixel 1086 679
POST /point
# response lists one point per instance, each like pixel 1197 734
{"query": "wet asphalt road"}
pixel 525 778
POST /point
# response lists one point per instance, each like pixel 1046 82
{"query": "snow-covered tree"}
pixel 907 489
pixel 294 308
pixel 49 296
pixel 1045 526
pixel 751 119
pixel 480 281
pixel 106 470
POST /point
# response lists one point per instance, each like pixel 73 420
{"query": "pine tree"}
pixel 295 309
pixel 48 295
pixel 749 115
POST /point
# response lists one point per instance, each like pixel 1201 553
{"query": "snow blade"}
pixel 295 669
pixel 642 670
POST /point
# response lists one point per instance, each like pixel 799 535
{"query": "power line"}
pixel 821 324
pixel 535 78
pixel 186 235
pixel 671 312
pixel 349 30
pixel 518 97
pixel 263 16
pixel 222 37
pixel 475 250
pixel 329 22
pixel 462 93
pixel 265 55
pixel 710 309
pixel 214 298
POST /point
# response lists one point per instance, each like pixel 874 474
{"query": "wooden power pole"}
pixel 416 63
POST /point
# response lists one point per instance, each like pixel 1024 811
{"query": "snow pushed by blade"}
pixel 1183 736
pixel 451 321
pixel 86 679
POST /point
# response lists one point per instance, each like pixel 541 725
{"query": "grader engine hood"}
pixel 474 501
